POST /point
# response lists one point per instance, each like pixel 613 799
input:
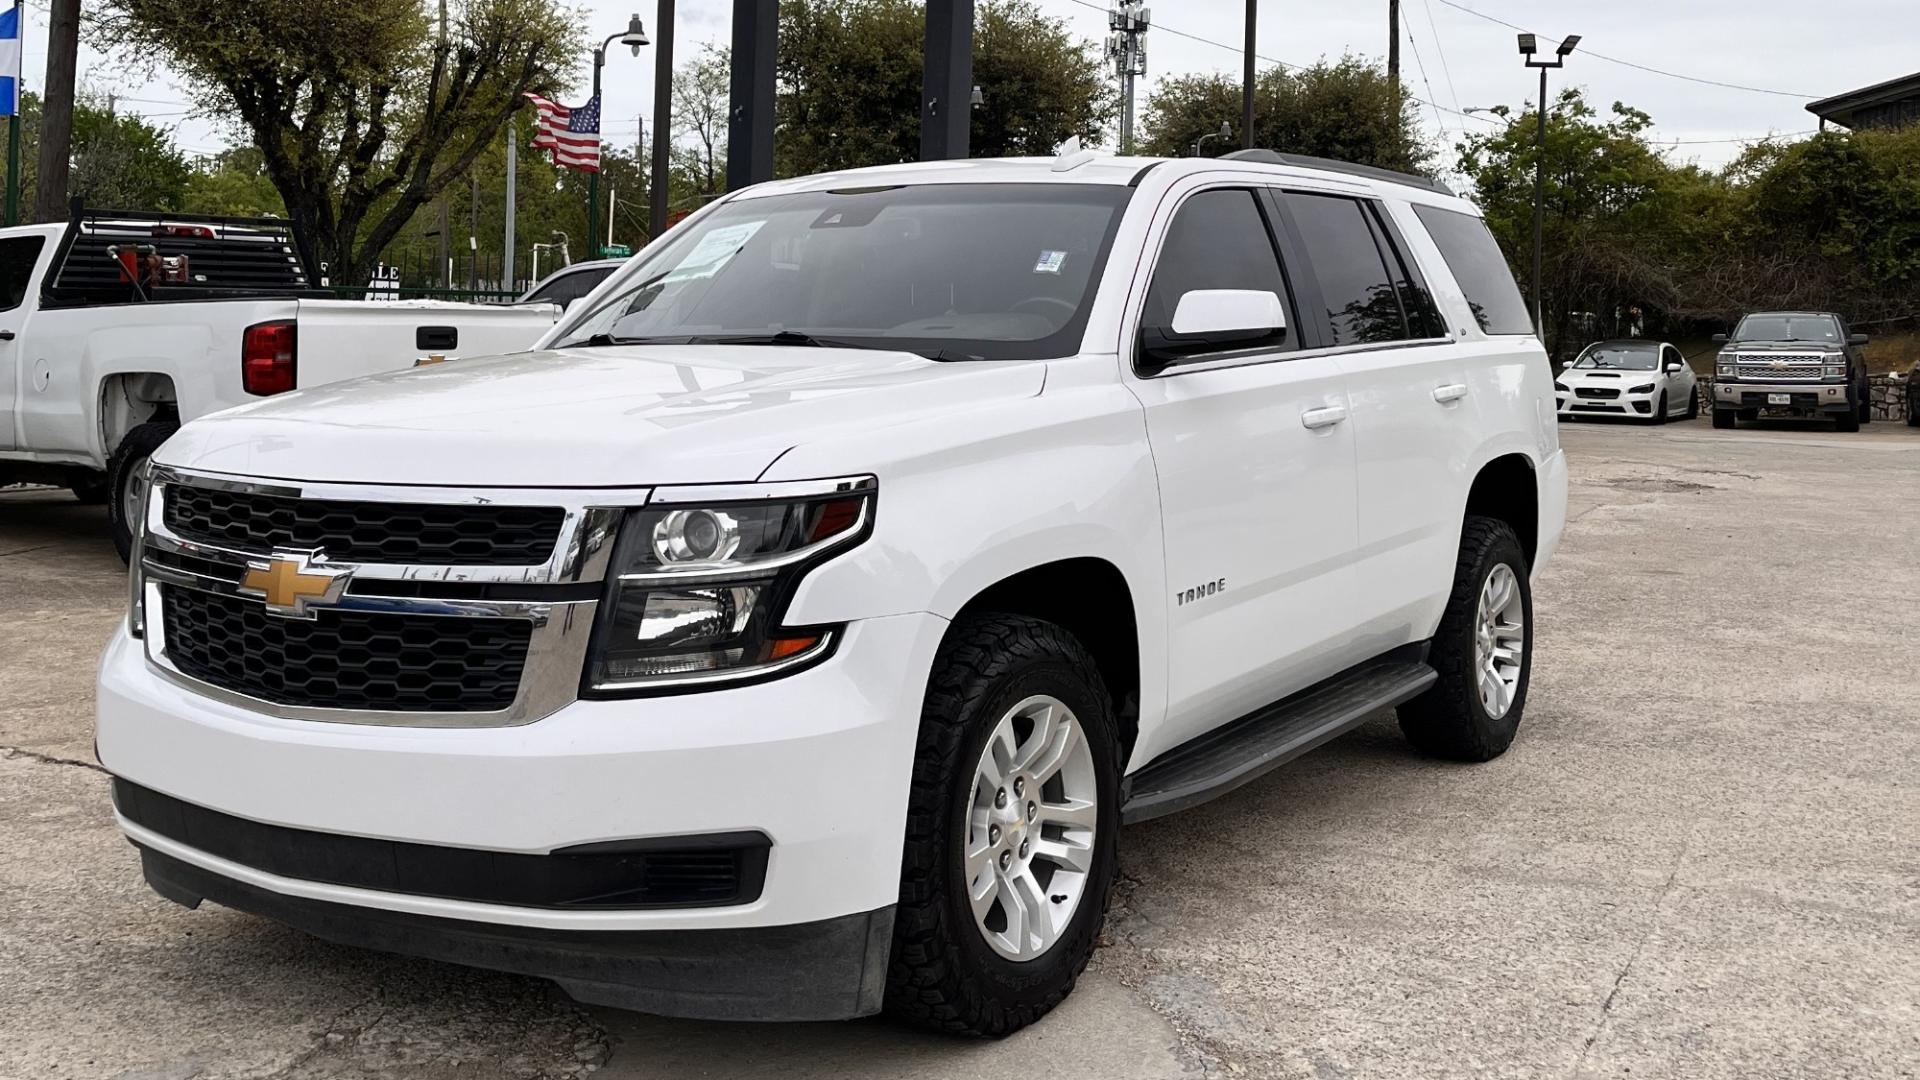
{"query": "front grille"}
pixel 688 871
pixel 1598 391
pixel 1793 367
pixel 346 659
pixel 429 534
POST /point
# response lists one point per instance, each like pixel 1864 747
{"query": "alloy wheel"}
pixel 1500 640
pixel 1032 816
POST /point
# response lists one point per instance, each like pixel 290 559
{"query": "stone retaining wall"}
pixel 1889 394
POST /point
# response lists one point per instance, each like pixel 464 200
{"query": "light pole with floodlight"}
pixel 1528 47
pixel 1225 132
pixel 635 37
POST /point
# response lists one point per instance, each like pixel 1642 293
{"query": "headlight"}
pixel 1645 388
pixel 1834 371
pixel 1723 369
pixel 699 586
pixel 136 578
pixel 1558 385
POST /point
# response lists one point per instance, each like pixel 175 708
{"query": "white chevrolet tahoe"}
pixel 115 328
pixel 791 635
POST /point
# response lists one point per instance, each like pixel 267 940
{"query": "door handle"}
pixel 1326 416
pixel 1449 393
pixel 6 335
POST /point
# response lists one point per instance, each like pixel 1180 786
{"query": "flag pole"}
pixel 13 127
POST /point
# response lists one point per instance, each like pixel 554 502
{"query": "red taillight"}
pixel 266 358
pixel 197 232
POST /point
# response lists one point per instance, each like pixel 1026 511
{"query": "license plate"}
pixel 1779 399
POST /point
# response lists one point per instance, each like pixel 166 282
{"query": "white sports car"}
pixel 1646 380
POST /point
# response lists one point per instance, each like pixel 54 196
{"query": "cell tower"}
pixel 1127 51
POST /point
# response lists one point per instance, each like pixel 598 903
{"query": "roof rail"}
pixel 1304 161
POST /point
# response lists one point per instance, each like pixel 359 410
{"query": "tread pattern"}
pixel 1448 721
pixel 139 445
pixel 935 977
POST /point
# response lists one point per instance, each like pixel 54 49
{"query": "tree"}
pixel 233 183
pixel 117 162
pixel 56 142
pixel 700 122
pixel 850 81
pixel 1343 109
pixel 363 111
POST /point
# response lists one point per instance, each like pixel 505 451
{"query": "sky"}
pixel 1454 54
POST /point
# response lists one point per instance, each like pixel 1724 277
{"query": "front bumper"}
pixel 1805 397
pixel 818 762
pixel 1636 406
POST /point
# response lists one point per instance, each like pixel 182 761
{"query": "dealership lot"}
pixel 1697 861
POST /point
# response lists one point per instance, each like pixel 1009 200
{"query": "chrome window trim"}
pixel 1298 354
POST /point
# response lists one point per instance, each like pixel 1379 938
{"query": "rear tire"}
pixel 122 471
pixel 1452 719
pixel 91 488
pixel 944 972
pixel 1723 418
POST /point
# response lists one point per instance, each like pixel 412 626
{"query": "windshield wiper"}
pixel 600 340
pixel 784 337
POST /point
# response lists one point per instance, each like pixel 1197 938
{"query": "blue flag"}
pixel 9 61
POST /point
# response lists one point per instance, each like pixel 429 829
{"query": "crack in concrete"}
pixel 10 752
pixel 1653 926
pixel 24 551
pixel 331 1036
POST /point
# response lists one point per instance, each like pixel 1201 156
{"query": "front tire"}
pixel 1846 422
pixel 1010 697
pixel 1693 404
pixel 1660 409
pixel 1723 418
pixel 122 476
pixel 1483 651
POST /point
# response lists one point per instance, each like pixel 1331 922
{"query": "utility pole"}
pixel 662 119
pixel 509 282
pixel 1246 77
pixel 1127 26
pixel 947 76
pixel 56 112
pixel 756 33
pixel 1393 61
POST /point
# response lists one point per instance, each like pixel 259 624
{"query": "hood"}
pixel 1605 377
pixel 591 417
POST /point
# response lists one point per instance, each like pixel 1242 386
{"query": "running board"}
pixel 1250 747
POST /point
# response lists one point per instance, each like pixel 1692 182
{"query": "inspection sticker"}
pixel 1050 262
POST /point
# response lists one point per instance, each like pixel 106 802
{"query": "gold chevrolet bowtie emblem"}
pixel 293 582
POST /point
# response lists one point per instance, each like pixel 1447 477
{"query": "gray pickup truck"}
pixel 1791 363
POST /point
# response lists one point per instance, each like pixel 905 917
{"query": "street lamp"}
pixel 635 37
pixel 1225 132
pixel 1529 45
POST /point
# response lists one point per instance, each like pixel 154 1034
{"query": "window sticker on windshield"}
pixel 713 251
pixel 1051 262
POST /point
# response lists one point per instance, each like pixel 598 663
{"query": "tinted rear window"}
pixel 17 256
pixel 1477 264
pixel 1362 304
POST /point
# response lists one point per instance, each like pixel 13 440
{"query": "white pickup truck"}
pixel 790 637
pixel 117 328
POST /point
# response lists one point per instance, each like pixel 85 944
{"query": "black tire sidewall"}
pixel 1039 976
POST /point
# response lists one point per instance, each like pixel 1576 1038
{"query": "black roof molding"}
pixel 1304 161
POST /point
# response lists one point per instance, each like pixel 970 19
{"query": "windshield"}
pixel 1618 356
pixel 952 271
pixel 1788 328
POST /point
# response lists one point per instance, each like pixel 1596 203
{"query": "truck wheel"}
pixel 1012 827
pixel 1483 651
pixel 1723 418
pixel 89 487
pixel 139 445
pixel 1846 421
pixel 1660 409
pixel 1866 410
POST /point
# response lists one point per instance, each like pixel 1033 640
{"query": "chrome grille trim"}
pixel 557 649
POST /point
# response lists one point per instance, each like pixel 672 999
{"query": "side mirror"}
pixel 1857 340
pixel 1719 339
pixel 1224 316
pixel 1675 365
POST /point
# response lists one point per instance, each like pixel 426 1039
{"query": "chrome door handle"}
pixel 1326 416
pixel 1449 393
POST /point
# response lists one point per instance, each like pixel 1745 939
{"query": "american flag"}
pixel 572 134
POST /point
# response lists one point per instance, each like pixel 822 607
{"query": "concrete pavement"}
pixel 1699 860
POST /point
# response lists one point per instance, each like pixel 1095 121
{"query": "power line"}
pixel 1743 139
pixel 1445 68
pixel 1456 5
pixel 1422 65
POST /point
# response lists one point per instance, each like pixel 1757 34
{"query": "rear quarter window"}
pixel 1481 270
